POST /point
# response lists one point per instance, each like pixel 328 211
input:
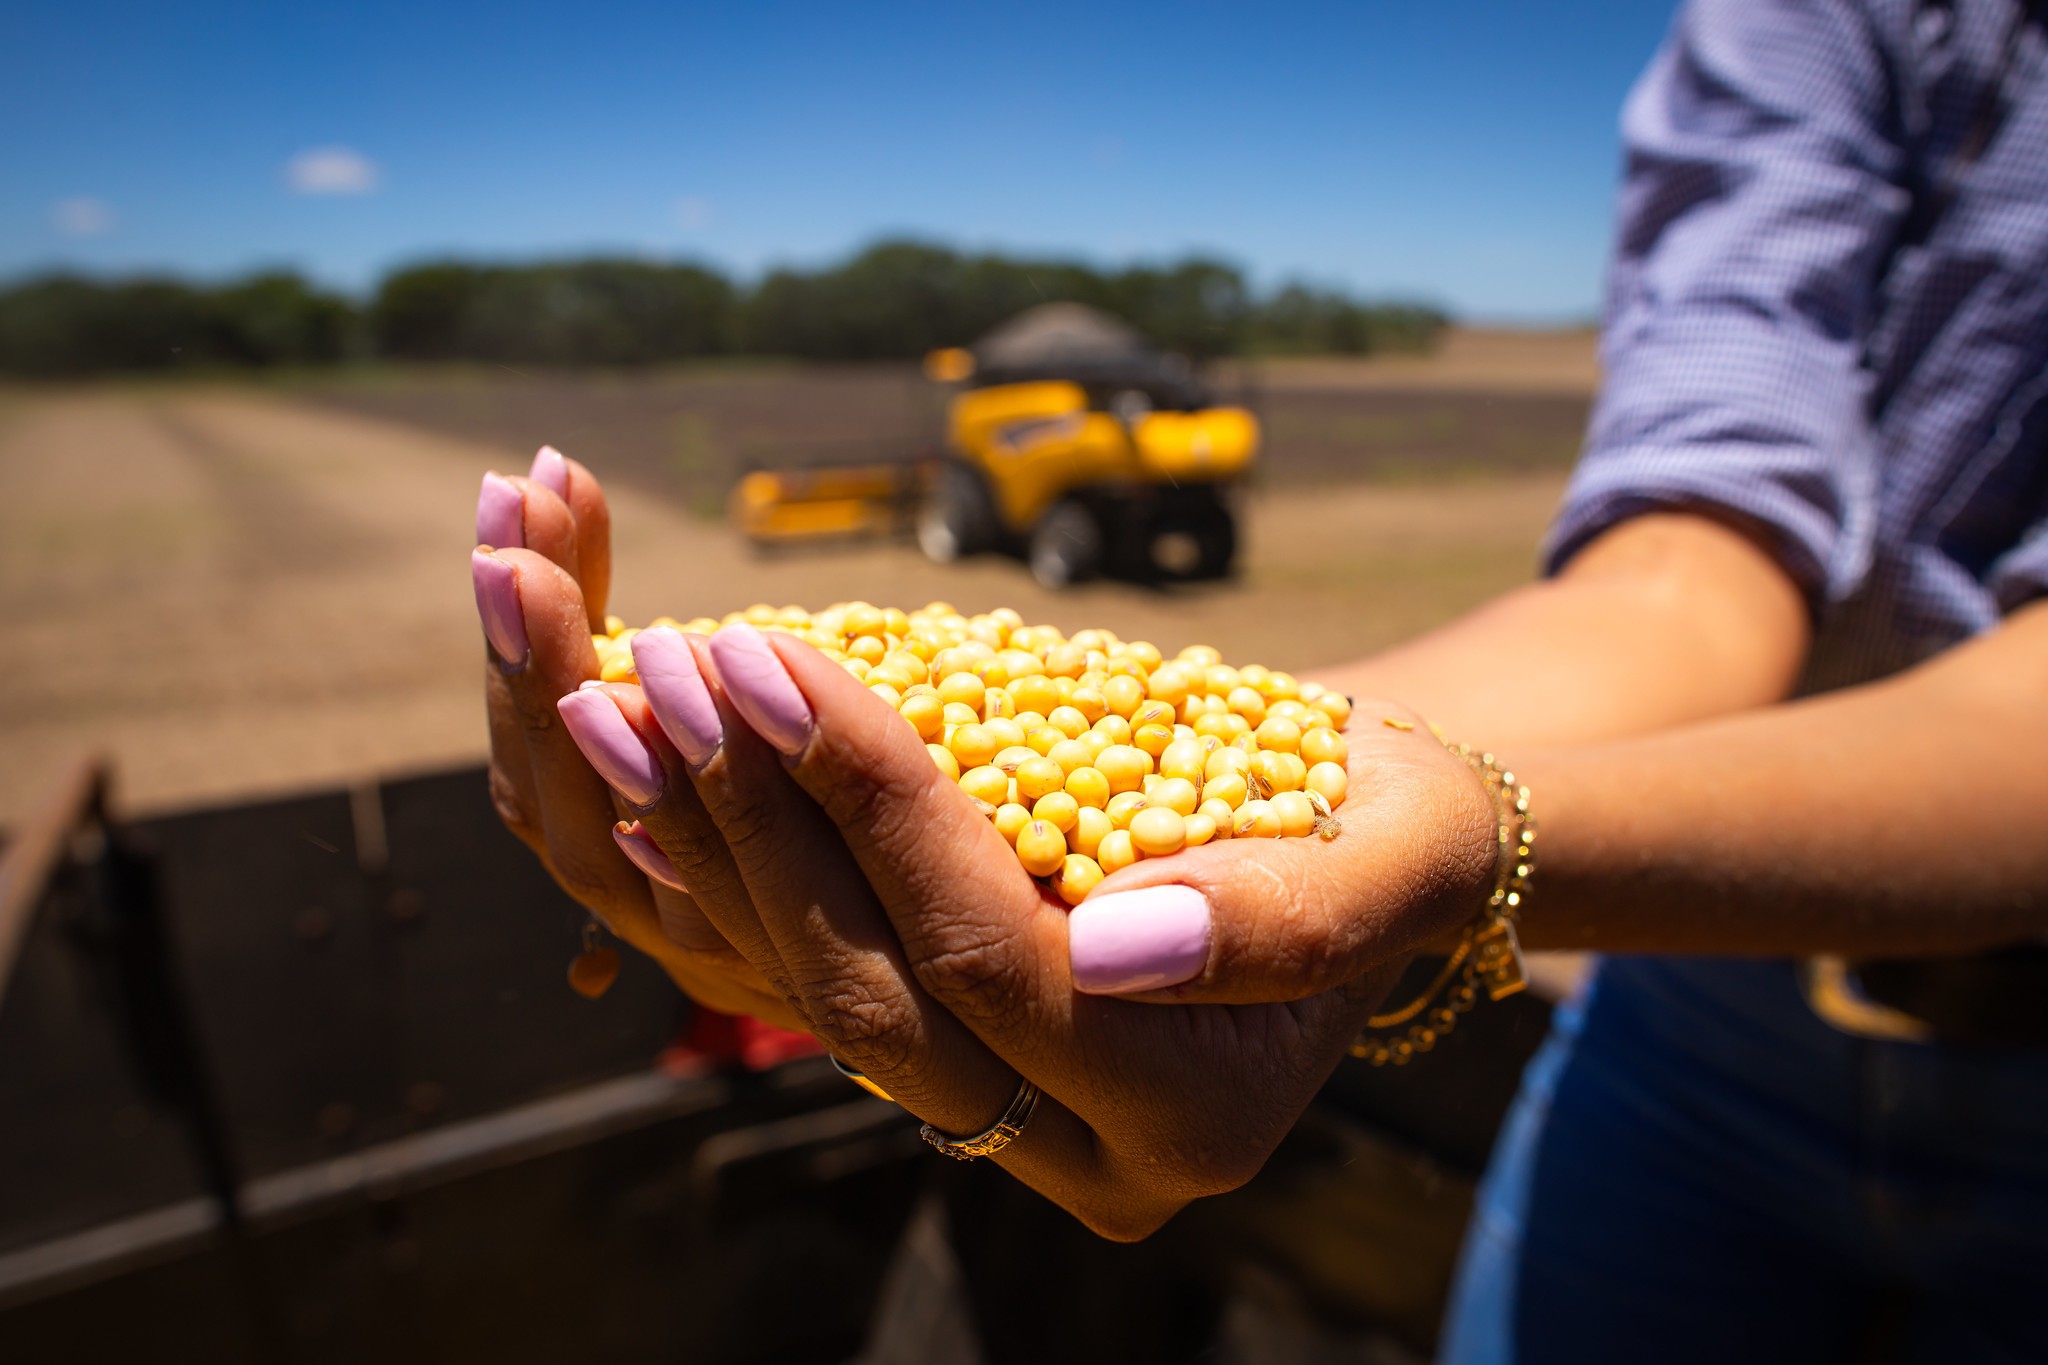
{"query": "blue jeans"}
pixel 1700 1169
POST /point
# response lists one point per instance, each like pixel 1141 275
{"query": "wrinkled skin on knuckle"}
pixel 881 814
pixel 696 863
pixel 874 1029
pixel 747 827
pixel 974 975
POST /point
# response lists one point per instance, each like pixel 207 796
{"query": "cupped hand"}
pixel 1178 1020
pixel 541 570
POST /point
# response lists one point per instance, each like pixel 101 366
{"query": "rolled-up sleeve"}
pixel 2020 577
pixel 1761 199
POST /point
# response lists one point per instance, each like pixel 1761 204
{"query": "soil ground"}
pixel 237 590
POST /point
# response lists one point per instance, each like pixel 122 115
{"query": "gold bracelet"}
pixel 1488 955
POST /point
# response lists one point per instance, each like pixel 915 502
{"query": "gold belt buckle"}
pixel 1833 993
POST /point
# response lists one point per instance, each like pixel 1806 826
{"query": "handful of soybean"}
pixel 1087 751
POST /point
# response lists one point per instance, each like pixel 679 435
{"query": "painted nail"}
pixel 646 854
pixel 676 693
pixel 551 471
pixel 497 601
pixel 500 514
pixel 1143 940
pixel 760 687
pixel 612 745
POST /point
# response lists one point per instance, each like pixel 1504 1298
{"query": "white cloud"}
pixel 82 217
pixel 692 212
pixel 331 170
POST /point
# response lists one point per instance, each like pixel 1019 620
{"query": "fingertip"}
pixel 500 512
pixel 674 687
pixel 499 604
pixel 760 686
pixel 640 848
pixel 551 471
pixel 613 745
pixel 634 704
pixel 859 719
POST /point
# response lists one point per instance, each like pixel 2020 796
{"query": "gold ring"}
pixel 859 1078
pixel 993 1138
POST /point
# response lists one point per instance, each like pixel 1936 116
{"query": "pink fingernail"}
pixel 676 693
pixel 760 687
pixel 646 854
pixel 497 601
pixel 612 745
pixel 1143 940
pixel 551 471
pixel 500 514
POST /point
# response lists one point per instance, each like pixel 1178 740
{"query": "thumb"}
pixel 1253 920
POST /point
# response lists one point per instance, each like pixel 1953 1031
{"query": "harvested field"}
pixel 237 591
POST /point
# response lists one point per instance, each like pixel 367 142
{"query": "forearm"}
pixel 1903 817
pixel 1663 621
pixel 1683 809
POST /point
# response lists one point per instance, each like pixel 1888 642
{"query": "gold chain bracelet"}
pixel 1488 955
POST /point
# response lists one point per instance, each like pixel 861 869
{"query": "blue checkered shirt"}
pixel 1828 311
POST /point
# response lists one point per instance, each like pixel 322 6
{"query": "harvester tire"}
pixel 1066 545
pixel 1216 537
pixel 1209 524
pixel 958 518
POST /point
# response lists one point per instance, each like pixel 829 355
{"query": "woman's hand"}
pixel 541 570
pixel 895 920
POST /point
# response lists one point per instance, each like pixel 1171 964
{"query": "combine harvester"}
pixel 1068 441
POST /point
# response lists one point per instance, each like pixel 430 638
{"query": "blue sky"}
pixel 1459 151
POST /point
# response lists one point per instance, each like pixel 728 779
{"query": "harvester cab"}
pixel 1071 442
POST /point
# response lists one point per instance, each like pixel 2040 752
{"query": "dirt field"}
pixel 238 591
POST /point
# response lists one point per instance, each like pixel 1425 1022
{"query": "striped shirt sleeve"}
pixel 1760 199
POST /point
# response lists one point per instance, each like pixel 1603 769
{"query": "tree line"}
pixel 894 300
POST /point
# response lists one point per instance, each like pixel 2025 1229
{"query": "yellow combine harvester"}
pixel 1067 440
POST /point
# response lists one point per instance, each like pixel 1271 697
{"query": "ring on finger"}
pixel 993 1138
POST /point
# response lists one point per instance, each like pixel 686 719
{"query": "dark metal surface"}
pixel 336 1004
pixel 439 1151
pixel 385 1126
pixel 564 1242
